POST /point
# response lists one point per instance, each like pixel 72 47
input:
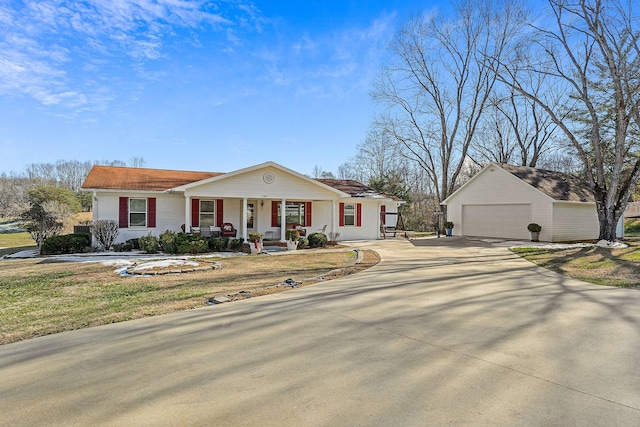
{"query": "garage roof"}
pixel 557 185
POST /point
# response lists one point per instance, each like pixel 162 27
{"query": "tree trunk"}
pixel 608 222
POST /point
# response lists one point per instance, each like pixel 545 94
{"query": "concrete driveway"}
pixel 434 335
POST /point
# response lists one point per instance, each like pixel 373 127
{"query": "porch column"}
pixel 333 217
pixel 187 214
pixel 244 219
pixel 283 219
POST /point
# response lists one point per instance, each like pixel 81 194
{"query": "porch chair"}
pixel 323 229
pixel 228 230
pixel 205 231
pixel 299 227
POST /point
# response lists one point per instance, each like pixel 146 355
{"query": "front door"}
pixel 251 219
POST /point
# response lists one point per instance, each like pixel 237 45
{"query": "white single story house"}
pixel 146 201
pixel 501 200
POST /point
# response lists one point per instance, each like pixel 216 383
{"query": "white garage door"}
pixel 496 220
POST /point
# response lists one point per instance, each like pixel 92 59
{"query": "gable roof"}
pixel 123 178
pixel 557 185
pixel 143 179
pixel 353 188
pixel 258 167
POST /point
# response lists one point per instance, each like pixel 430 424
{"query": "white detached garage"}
pixel 501 200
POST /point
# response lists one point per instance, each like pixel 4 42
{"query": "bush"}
pixel 169 242
pixel 236 245
pixel 303 242
pixel 105 231
pixel 255 236
pixel 66 244
pixel 135 244
pixel 149 244
pixel 448 224
pixel 292 234
pixel 122 247
pixel 317 240
pixel 533 227
pixel 193 247
pixel 218 244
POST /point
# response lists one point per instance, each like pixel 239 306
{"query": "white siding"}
pixel 370 228
pixel 169 213
pixel 495 186
pixel 574 221
pixel 252 185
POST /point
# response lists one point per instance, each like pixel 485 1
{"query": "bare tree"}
pixel 439 88
pixel 591 57
pixel 515 130
pixel 137 162
pixel 316 172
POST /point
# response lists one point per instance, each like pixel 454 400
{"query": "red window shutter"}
pixel 274 213
pixel 195 212
pixel 219 212
pixel 341 214
pixel 358 214
pixel 307 214
pixel 124 212
pixel 151 214
pixel 383 217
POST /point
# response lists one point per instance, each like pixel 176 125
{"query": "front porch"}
pixel 264 215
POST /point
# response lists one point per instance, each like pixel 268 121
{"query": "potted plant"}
pixel 292 236
pixel 255 242
pixel 535 231
pixel 448 226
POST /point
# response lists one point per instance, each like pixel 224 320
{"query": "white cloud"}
pixel 48 46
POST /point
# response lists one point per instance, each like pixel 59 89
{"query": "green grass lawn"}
pixel 632 227
pixel 42 296
pixel 15 242
pixel 603 266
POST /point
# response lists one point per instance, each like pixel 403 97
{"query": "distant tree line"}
pixel 64 174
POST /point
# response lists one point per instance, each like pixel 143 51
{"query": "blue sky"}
pixel 194 85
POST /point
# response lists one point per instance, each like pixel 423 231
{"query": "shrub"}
pixel 193 247
pixel 333 237
pixel 169 242
pixel 448 224
pixel 218 244
pixel 122 247
pixel 105 231
pixel 236 245
pixel 255 236
pixel 149 244
pixel 533 227
pixel 66 244
pixel 303 242
pixel 135 244
pixel 292 234
pixel 317 240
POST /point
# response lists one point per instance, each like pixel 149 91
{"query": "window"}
pixel 349 214
pixel 294 213
pixel 137 212
pixel 207 213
